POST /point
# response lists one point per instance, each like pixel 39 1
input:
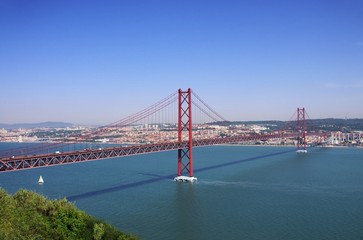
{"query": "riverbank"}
pixel 271 145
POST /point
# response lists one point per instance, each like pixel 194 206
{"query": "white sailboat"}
pixel 40 181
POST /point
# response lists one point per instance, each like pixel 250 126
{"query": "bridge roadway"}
pixel 45 160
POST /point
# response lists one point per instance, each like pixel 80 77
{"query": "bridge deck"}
pixel 44 160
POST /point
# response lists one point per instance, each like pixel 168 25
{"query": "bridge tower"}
pixel 301 129
pixel 185 125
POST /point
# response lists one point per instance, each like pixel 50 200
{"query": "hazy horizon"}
pixel 99 125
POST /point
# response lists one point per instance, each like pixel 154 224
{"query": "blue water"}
pixel 241 193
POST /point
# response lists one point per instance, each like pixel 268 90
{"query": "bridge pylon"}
pixel 301 129
pixel 185 125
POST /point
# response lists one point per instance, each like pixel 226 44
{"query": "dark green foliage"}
pixel 27 215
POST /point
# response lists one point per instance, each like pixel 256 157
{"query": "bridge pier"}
pixel 185 124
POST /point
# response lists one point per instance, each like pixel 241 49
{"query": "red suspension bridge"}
pixel 183 114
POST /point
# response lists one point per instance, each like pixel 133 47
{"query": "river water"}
pixel 242 192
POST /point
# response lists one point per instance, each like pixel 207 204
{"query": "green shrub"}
pixel 28 215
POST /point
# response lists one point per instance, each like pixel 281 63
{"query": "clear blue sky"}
pixel 94 62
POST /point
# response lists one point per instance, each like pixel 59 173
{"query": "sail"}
pixel 40 180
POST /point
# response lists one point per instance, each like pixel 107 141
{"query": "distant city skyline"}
pixel 96 62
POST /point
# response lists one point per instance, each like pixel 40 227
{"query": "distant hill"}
pixel 328 124
pixel 37 125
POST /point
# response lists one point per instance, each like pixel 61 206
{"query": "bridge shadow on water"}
pixel 157 178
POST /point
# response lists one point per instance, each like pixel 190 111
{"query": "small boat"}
pixel 40 181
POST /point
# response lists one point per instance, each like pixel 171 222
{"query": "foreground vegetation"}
pixel 28 215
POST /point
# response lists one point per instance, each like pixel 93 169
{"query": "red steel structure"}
pixel 45 160
pixel 301 128
pixel 185 155
pixel 30 158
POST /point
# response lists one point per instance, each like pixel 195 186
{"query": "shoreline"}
pixel 259 145
pixel 223 144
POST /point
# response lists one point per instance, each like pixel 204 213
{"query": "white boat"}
pixel 40 181
pixel 302 151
